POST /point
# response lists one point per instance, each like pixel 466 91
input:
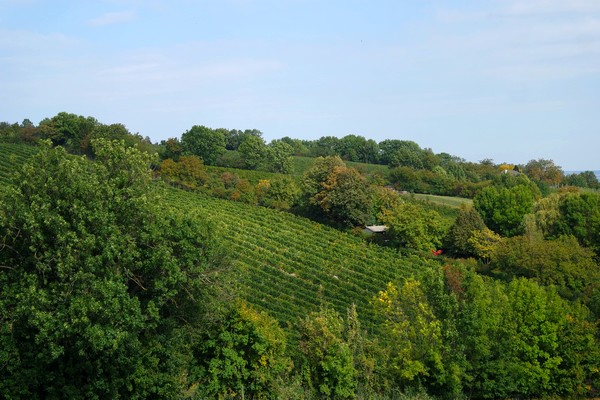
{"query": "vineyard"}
pixel 289 265
pixel 12 155
pixel 292 266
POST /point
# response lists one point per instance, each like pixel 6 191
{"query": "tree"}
pixel 345 197
pixel 328 356
pixel 325 146
pixel 68 130
pixel 189 171
pixel 299 148
pixel 279 193
pixel 357 148
pixel 100 286
pixel 384 198
pixel 529 328
pixel 580 217
pixel 278 157
pixel 544 171
pixel 413 334
pixel 561 262
pixel 457 242
pixel 586 179
pixel 413 227
pixel 171 148
pixel 401 153
pixel 253 150
pixel 576 214
pixel 522 340
pixel 206 143
pixel 243 356
pixel 484 243
pixel 503 209
pixel 405 178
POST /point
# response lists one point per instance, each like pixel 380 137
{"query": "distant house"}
pixel 375 229
pixel 511 172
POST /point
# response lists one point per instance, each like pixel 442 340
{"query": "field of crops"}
pixel 292 265
pixel 11 155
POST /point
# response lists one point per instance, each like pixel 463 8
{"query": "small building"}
pixel 375 229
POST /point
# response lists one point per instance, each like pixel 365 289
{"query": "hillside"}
pixel 293 265
pixel 12 155
pixel 290 265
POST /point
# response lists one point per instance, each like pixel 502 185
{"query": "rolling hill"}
pixel 292 265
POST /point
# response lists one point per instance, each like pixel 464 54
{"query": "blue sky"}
pixel 507 80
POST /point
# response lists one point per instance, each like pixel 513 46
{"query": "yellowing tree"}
pixel 413 333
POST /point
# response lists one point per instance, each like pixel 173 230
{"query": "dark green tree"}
pixel 171 148
pixel 580 217
pixel 206 143
pixel 414 227
pixel 457 240
pixel 100 285
pixel 253 151
pixel 401 153
pixel 357 148
pixel 405 178
pixel 561 262
pixel 243 356
pixel 586 179
pixel 503 209
pixel 326 146
pixel 68 130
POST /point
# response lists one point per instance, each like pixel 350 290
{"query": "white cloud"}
pixel 537 7
pixel 112 18
pixel 534 40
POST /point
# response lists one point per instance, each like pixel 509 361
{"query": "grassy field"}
pixel 455 202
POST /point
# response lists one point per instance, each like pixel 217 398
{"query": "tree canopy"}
pixel 99 284
pixel 206 143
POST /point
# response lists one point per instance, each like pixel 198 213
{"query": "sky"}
pixel 505 80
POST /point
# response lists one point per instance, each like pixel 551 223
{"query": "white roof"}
pixel 376 228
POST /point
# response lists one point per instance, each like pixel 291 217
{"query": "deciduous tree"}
pixel 413 227
pixel 100 285
pixel 206 143
pixel 457 242
pixel 328 356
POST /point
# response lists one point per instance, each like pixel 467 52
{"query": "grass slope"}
pixel 454 202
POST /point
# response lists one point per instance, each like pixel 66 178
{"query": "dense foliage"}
pixel 111 287
pixel 99 286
